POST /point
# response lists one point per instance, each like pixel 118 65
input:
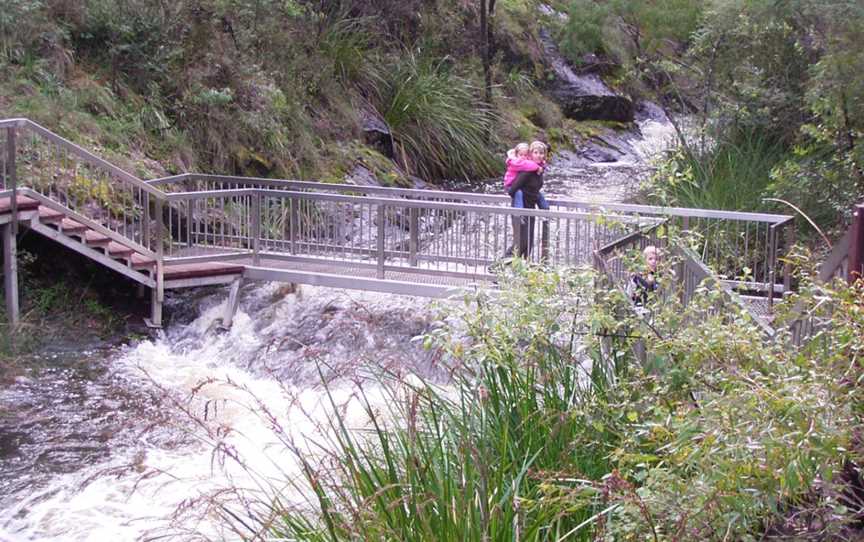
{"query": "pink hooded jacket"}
pixel 517 165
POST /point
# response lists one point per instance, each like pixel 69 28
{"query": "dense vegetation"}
pixel 774 87
pixel 276 88
pixel 772 90
pixel 553 430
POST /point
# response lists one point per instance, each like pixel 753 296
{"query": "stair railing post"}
pixel 772 264
pixel 10 274
pixel 380 240
pixel 856 246
pixel 12 175
pixel 145 240
pixel 414 233
pixel 158 294
pixel 256 227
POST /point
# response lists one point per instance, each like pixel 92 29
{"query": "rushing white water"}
pixel 231 401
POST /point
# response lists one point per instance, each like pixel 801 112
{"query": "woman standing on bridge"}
pixel 530 184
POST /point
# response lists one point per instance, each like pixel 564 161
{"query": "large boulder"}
pixel 578 105
pixel 583 96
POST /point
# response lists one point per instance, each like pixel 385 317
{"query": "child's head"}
pixel 538 151
pixel 522 150
pixel 652 256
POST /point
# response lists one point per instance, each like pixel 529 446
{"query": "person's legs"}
pixel 541 201
pixel 518 200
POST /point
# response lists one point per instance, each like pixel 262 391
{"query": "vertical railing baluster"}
pixel 380 241
pixel 256 226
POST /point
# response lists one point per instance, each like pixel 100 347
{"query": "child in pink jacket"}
pixel 524 157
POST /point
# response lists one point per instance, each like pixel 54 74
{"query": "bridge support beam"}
pixel 233 301
pixel 10 273
pixel 155 320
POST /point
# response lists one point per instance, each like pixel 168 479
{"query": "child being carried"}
pixel 525 157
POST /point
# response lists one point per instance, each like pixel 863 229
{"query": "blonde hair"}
pixel 538 145
pixel 649 249
pixel 522 148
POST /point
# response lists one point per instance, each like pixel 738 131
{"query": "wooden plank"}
pixel 197 270
pixel 139 261
pixel 24 204
pixel 116 250
pixel 48 215
pixel 94 238
pixel 70 226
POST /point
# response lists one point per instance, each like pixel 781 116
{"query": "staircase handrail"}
pixel 83 153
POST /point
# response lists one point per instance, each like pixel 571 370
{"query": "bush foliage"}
pixel 546 435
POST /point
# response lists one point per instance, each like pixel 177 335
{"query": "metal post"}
pixel 293 220
pixel 772 264
pixel 787 266
pixel 158 293
pixel 12 176
pixel 10 273
pixel 856 246
pixel 544 240
pixel 256 228
pixel 146 221
pixel 414 235
pixel 190 204
pixel 380 241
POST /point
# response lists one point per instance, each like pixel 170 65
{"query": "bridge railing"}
pixel 382 235
pixel 683 281
pixel 103 196
pixel 742 248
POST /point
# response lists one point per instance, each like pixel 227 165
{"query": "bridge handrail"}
pixel 470 196
pixel 410 204
pixel 690 275
pixel 761 237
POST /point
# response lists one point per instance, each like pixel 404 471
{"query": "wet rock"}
pixel 583 96
pixel 577 105
pixel 376 133
pixel 361 176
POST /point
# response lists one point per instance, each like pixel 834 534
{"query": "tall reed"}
pixel 493 456
pixel 732 173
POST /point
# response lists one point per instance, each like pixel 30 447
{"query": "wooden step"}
pixel 94 238
pixel 139 261
pixel 24 204
pixel 72 226
pixel 199 270
pixel 47 215
pixel 117 250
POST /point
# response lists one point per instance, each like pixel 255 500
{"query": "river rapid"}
pixel 155 439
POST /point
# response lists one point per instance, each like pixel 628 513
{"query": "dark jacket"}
pixel 530 183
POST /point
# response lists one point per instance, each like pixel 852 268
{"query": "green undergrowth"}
pixel 65 308
pixel 731 174
pixel 552 430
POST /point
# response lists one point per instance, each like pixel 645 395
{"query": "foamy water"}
pixel 235 418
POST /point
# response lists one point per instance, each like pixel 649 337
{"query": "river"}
pixel 156 439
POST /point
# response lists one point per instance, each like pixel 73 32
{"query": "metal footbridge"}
pixel 193 230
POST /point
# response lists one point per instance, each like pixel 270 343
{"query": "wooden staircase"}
pixel 60 227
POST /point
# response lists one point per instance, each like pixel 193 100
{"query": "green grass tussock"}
pixel 721 436
pixel 732 174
